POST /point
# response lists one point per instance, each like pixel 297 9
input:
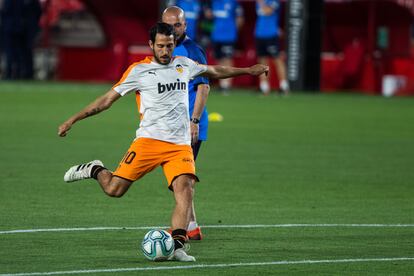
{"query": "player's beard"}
pixel 166 57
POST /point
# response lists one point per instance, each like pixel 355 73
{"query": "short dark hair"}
pixel 161 28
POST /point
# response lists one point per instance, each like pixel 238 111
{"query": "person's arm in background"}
pixel 203 89
pixel 199 105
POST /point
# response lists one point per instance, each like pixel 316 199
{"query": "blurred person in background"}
pixel 267 33
pixel 227 20
pixel 20 21
pixel 198 90
pixel 192 10
pixel 205 25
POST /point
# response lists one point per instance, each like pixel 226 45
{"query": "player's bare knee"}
pixel 117 187
pixel 184 185
pixel 114 191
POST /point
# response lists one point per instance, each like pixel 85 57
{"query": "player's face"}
pixel 163 48
pixel 178 23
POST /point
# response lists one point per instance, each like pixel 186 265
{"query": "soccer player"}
pixel 227 20
pixel 163 137
pixel 267 33
pixel 198 90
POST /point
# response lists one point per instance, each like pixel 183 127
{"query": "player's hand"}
pixel 258 69
pixel 64 128
pixel 194 132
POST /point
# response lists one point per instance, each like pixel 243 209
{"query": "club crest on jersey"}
pixel 178 85
pixel 179 68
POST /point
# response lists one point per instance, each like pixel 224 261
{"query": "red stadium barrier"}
pixel 126 24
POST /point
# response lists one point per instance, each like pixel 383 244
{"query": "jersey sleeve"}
pixel 195 68
pixel 199 56
pixel 128 83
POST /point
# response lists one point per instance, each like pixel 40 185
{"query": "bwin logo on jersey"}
pixel 178 85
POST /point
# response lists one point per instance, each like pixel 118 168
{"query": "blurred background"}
pixel 330 45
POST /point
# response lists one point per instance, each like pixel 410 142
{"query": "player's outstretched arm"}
pixel 100 104
pixel 223 72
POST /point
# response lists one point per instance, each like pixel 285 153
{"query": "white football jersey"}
pixel 163 97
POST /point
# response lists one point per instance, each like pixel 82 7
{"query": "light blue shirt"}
pixel 267 26
pixel 225 13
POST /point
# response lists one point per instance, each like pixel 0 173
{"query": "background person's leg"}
pixel 264 81
pixel 193 230
pixel 281 73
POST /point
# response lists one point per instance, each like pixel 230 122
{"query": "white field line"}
pixel 203 226
pixel 204 266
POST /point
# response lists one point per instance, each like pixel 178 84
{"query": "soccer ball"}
pixel 157 245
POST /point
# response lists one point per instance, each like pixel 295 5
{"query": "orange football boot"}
pixel 195 234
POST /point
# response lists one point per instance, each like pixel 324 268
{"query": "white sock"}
pixel 264 87
pixel 225 83
pixel 284 85
pixel 192 225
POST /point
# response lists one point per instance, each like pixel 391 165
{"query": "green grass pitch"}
pixel 304 159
